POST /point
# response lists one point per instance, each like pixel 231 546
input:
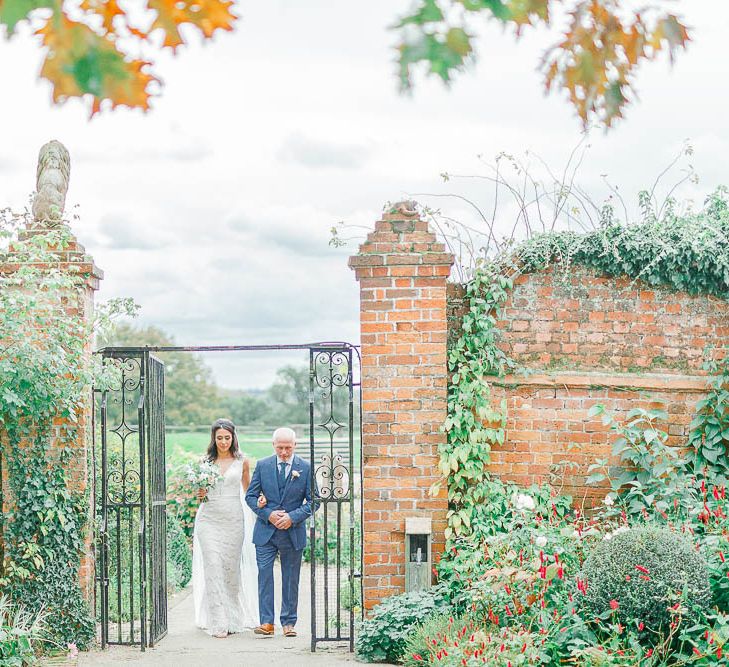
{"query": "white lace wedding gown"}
pixel 224 572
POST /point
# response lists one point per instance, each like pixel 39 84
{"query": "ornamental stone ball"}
pixel 54 170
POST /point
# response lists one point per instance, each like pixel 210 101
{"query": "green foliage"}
pixel 420 647
pixel 473 423
pixel 640 574
pixel 46 371
pixel 594 62
pixel 182 500
pixel 179 555
pixel 382 636
pixel 331 539
pixel 426 635
pixel 52 518
pixel 709 434
pixel 685 252
pixel 653 475
pixel 21 633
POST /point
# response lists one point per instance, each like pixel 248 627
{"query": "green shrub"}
pixel 382 637
pixel 426 635
pixel 179 555
pixel 639 574
pixel 20 634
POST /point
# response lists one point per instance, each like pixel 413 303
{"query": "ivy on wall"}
pixel 46 374
pixel 685 252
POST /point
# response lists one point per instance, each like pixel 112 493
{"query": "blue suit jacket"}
pixel 295 499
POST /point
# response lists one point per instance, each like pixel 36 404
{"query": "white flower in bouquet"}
pixel 204 475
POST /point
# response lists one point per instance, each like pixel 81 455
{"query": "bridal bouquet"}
pixel 203 475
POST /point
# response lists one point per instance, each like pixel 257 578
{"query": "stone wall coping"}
pixel 660 382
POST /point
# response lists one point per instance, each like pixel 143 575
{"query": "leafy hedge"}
pixel 383 636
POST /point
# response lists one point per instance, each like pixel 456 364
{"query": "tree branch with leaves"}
pixel 594 62
pixel 103 50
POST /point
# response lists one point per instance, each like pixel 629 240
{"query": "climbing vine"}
pixel 473 424
pixel 46 373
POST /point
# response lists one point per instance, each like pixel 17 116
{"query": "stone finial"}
pixel 54 170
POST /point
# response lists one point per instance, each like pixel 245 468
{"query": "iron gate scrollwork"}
pixel 130 502
pixel 335 531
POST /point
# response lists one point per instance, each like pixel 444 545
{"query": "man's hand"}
pixel 276 516
pixel 284 522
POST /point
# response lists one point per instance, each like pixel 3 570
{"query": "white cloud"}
pixel 318 154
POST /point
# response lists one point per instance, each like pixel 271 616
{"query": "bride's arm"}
pixel 245 478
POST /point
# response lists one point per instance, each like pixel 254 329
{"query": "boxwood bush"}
pixel 639 574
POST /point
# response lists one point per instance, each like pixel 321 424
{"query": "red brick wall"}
pixel 594 322
pixel 73 259
pixel 588 339
pixel 402 271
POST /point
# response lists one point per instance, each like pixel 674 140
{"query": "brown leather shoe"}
pixel 289 631
pixel 265 629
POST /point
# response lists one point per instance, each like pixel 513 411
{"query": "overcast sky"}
pixel 213 210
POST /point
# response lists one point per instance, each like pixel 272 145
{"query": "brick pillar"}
pixel 72 259
pixel 402 271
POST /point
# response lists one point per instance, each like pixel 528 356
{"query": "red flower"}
pixel 614 604
pixel 417 657
pixel 642 569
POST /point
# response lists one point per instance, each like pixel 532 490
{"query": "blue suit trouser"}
pixel 280 543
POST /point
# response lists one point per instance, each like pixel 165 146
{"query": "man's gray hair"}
pixel 285 434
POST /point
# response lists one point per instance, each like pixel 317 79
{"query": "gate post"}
pixel 402 270
pixel 71 259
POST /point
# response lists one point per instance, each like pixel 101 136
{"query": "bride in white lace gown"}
pixel 224 572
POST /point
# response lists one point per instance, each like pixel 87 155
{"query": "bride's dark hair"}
pixel 229 426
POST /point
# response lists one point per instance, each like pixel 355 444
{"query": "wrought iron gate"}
pixel 130 502
pixel 336 530
pixel 130 494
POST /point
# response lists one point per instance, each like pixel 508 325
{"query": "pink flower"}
pixel 72 650
pixel 614 604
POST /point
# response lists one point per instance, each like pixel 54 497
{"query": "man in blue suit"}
pixel 283 484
